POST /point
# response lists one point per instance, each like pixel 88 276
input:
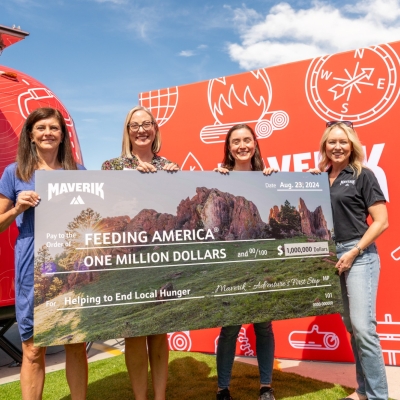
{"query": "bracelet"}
pixel 360 250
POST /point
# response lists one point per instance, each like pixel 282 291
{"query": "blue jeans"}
pixel 265 347
pixel 359 287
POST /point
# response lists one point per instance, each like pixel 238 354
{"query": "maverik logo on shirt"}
pixel 60 188
pixel 347 183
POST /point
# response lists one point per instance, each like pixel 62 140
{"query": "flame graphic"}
pixel 244 97
pixel 251 107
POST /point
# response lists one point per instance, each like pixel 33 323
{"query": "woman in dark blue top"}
pixel 44 144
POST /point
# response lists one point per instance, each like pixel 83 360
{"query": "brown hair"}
pixel 126 142
pixel 357 154
pixel 228 162
pixel 27 157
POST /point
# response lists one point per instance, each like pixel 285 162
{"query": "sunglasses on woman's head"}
pixel 347 123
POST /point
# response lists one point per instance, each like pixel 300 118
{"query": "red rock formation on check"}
pixel 151 221
pixel 313 223
pixel 114 224
pixel 234 216
pixel 229 217
pixel 274 213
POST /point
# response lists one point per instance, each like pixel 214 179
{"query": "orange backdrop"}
pixel 288 105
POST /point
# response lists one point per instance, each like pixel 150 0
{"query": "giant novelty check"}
pixel 122 254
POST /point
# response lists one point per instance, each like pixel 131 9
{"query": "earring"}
pixel 230 157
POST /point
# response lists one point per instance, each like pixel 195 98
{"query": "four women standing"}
pixel 44 144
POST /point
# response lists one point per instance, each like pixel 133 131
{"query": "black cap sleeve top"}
pixel 351 196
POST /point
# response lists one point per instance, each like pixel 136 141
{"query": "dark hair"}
pixel 228 162
pixel 27 157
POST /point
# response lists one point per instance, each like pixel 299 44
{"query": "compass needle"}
pixel 374 76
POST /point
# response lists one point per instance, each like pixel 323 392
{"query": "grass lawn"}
pixel 191 376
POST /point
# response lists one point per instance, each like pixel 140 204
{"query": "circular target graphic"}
pixel 359 86
pixel 331 341
pixel 180 341
pixel 264 128
pixel 279 119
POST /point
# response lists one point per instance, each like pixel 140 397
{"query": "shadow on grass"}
pixel 194 377
pixel 111 387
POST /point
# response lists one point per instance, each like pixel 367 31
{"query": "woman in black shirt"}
pixel 355 195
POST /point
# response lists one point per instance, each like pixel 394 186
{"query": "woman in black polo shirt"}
pixel 355 195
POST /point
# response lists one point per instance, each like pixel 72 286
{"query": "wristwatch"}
pixel 360 250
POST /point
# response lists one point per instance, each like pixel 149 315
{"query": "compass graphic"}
pixel 352 81
pixel 359 86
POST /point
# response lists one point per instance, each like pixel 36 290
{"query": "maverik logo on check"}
pixel 55 189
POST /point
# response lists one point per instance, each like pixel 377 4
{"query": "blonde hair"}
pixel 356 156
pixel 126 142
